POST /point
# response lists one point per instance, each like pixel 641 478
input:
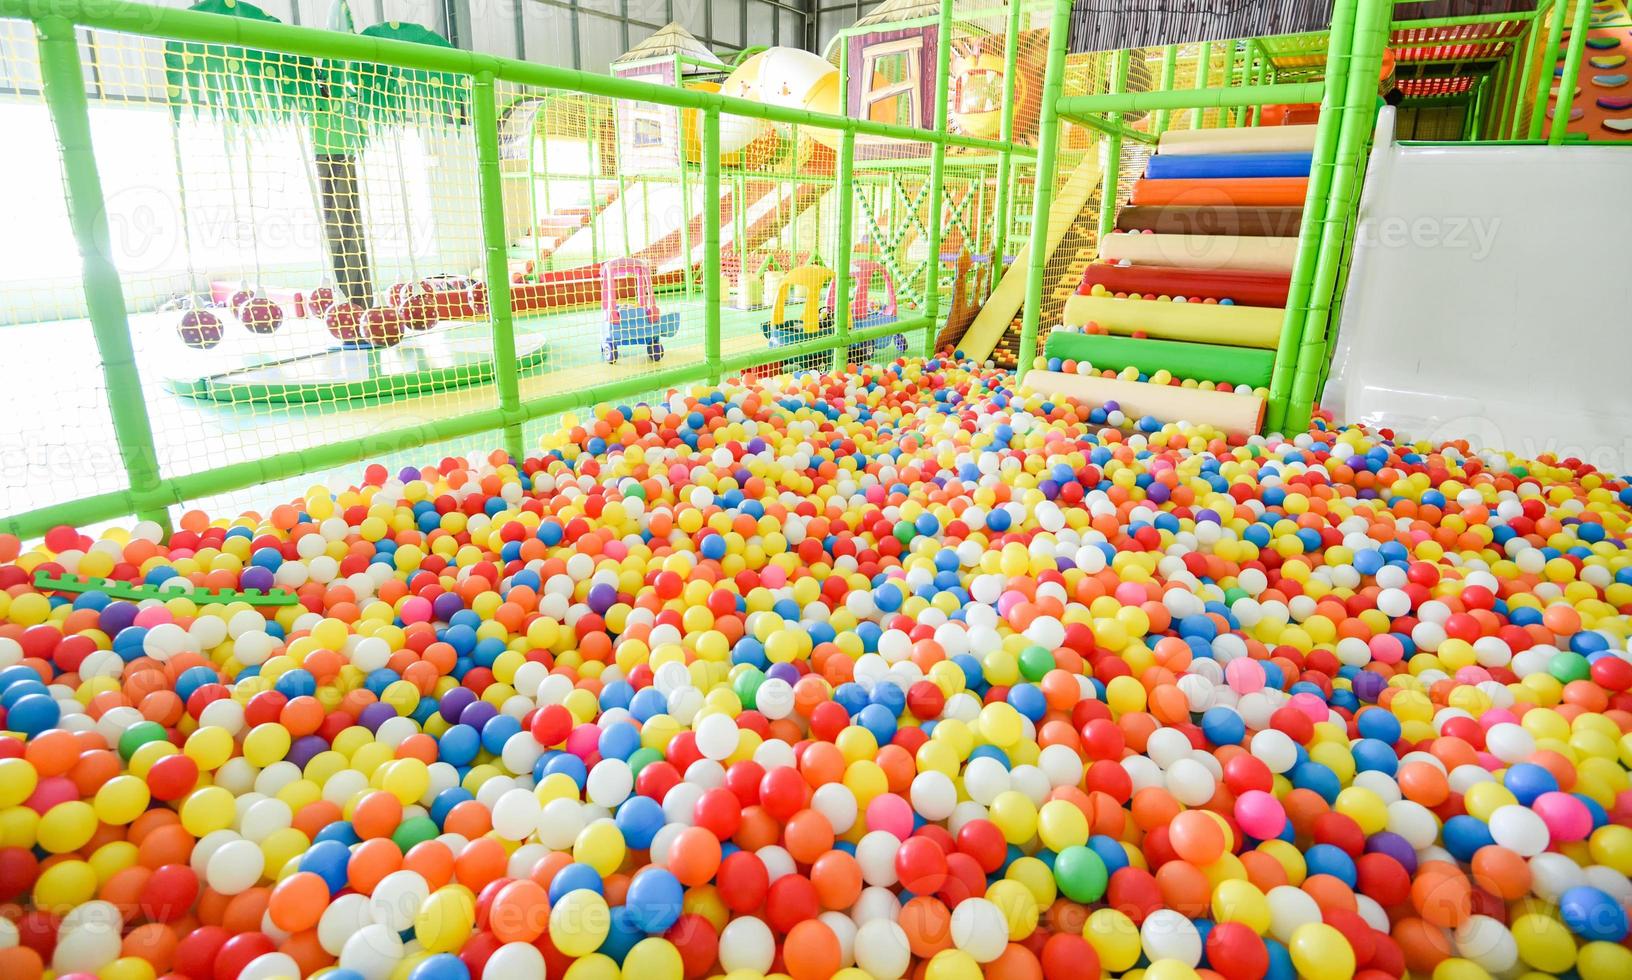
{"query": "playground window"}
pixel 893 67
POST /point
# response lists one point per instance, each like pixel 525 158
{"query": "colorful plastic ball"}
pixel 1081 874
pixel 1593 914
pixel 579 922
pixel 881 949
pixel 746 943
pixel 654 899
pixel 1236 952
pixel 1321 952
pixel 1544 943
pixel 1114 938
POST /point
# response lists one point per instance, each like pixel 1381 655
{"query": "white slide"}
pixel 1489 299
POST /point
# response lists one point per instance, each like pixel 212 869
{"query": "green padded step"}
pixel 1203 362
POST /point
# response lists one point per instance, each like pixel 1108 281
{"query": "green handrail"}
pixel 1315 227
pixel 1042 198
pixel 63 82
pixel 1572 72
pixel 495 246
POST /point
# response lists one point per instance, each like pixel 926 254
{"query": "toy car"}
pixel 641 323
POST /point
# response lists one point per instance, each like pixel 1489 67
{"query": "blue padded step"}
pixel 1224 165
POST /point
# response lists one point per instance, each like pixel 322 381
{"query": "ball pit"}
pixel 904 673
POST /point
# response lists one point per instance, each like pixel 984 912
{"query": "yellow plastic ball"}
pixel 1015 815
pixel 445 919
pixel 18 781
pixel 121 800
pixel 68 826
pixel 1544 942
pixel 600 845
pixel 1114 937
pixel 579 923
pixel 1018 905
pixel 64 885
pixel 265 744
pixel 1604 961
pixel 952 964
pixel 1320 952
pixel 1241 901
pixel 1061 824
pixel 653 957
pixel 207 810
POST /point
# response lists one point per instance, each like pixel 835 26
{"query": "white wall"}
pixel 1491 297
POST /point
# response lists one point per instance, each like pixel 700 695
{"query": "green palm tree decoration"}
pixel 341 103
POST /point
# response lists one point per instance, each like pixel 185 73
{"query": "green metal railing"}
pixel 1248 79
pixel 149 493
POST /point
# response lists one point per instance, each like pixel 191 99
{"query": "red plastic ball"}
pixel 921 865
pixel 1236 952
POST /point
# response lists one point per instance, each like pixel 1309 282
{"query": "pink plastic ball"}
pixel 1566 817
pixel 416 609
pixel 153 616
pixel 584 741
pixel 1259 814
pixel 1386 649
pixel 891 814
pixel 1244 675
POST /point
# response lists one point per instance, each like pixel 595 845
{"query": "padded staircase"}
pixel 1199 265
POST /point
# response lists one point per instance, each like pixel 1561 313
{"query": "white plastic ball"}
pixel 396 899
pixel 373 951
pixel 1290 908
pixel 1168 935
pixel 746 943
pixel 882 949
pixel 934 795
pixel 235 867
pixel 979 929
pixel 876 855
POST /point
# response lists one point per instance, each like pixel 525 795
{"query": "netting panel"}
pixel 58 442
pixel 303 255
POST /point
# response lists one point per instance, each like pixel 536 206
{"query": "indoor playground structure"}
pixel 1031 490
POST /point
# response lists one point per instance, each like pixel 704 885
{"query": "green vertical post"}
pixel 1112 170
pixel 63 83
pixel 1005 165
pixel 1170 59
pixel 1314 227
pixel 1360 113
pixel 1259 78
pixel 711 244
pixel 495 245
pixel 685 212
pixel 1522 91
pixel 1042 198
pixel 1572 73
pixel 937 180
pixel 1525 53
pixel 1204 71
pixel 846 244
pixel 1233 65
pixel 1472 120
pixel 1549 57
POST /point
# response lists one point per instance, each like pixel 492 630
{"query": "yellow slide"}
pixel 994 318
